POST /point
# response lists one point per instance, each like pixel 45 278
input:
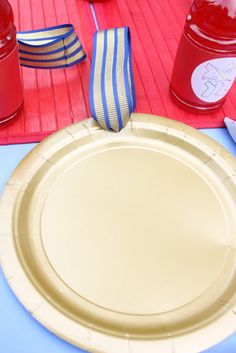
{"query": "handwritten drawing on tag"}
pixel 212 80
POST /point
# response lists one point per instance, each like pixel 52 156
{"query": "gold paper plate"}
pixel 125 242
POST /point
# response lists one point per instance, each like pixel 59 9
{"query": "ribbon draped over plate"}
pixel 50 48
pixel 112 93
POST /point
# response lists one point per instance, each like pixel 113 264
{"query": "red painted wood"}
pixel 156 27
pixel 55 98
pixel 52 98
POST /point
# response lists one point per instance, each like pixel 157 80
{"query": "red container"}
pixel 205 64
pixel 11 93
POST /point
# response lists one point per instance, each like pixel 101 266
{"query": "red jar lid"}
pixel 6 17
pixel 215 17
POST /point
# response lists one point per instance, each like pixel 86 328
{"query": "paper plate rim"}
pixel 54 320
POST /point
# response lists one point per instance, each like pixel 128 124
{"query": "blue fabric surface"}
pixel 19 332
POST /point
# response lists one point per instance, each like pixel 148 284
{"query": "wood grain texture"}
pixel 156 27
pixel 56 98
pixel 52 98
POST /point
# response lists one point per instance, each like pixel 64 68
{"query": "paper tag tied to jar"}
pixel 212 79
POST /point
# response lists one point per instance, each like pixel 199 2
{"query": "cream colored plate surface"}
pixel 125 242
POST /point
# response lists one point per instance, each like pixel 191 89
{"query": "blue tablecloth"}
pixel 19 332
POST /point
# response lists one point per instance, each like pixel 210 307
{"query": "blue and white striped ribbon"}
pixel 50 48
pixel 112 93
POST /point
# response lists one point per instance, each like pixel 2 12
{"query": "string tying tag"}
pixel 112 93
pixel 50 48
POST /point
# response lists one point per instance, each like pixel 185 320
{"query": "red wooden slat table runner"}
pixel 156 26
pixel 52 98
pixel 55 98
